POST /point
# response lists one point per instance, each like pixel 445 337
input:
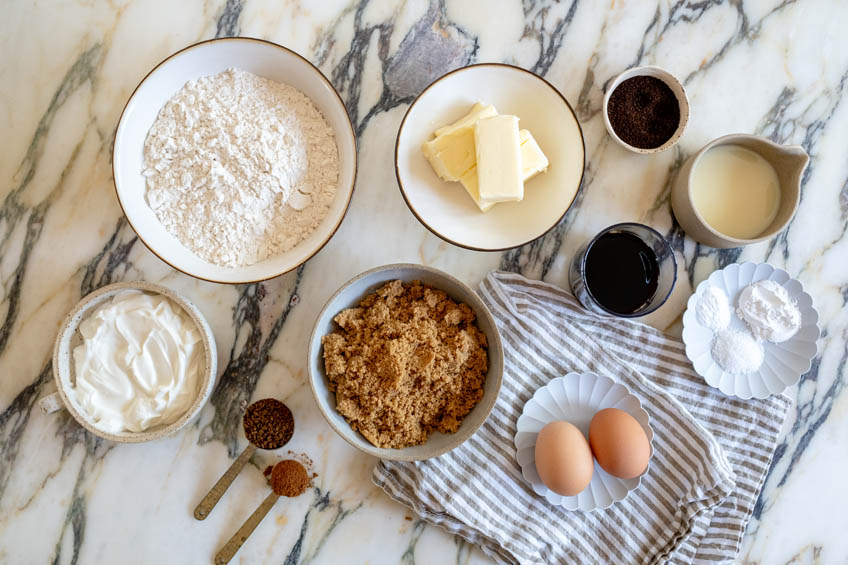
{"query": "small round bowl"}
pixel 576 398
pixel 69 338
pixel 348 296
pixel 259 57
pixel 445 208
pixel 784 363
pixel 675 86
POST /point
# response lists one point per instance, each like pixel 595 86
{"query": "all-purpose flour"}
pixel 240 167
pixel 769 311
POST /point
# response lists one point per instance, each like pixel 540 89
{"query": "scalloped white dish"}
pixel 575 398
pixel 784 363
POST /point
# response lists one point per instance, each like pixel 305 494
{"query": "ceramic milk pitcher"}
pixel 789 162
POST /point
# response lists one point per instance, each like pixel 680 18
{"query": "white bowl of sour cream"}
pixel 133 362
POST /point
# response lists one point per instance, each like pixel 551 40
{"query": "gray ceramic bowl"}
pixel 348 296
pixel 69 337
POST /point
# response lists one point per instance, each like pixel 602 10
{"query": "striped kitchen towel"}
pixel 711 452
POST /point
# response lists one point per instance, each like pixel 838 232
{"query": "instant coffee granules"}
pixel 289 478
pixel 268 423
pixel 643 112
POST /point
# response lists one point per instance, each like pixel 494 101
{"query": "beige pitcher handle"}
pixel 51 403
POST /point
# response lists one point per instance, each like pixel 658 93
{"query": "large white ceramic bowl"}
pixel 259 57
pixel 576 398
pixel 349 296
pixel 69 337
pixel 784 363
pixel 444 207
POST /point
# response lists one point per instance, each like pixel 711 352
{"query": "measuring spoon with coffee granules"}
pixel 288 478
pixel 268 424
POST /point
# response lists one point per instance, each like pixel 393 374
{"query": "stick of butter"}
pixel 533 162
pixel 451 152
pixel 498 150
pixel 478 112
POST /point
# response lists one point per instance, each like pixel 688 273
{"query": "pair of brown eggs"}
pixel 565 460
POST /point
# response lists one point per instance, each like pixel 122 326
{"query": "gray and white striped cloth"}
pixel 711 452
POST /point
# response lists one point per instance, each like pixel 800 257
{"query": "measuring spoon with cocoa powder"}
pixel 288 478
pixel 268 424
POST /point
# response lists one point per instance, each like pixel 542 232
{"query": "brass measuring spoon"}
pixel 296 485
pixel 272 435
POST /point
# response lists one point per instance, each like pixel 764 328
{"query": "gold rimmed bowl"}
pixel 261 58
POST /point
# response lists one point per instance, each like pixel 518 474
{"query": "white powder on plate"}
pixel 737 352
pixel 769 311
pixel 239 167
pixel 713 309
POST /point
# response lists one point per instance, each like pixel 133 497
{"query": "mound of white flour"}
pixel 239 167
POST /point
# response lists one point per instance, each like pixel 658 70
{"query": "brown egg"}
pixel 619 443
pixel 563 458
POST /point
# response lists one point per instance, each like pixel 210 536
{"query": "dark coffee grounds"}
pixel 268 423
pixel 643 112
pixel 289 478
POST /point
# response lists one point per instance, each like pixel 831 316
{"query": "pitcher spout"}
pixel 799 156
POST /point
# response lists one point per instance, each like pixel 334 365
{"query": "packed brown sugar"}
pixel 407 361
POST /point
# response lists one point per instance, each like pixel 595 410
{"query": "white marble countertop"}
pixel 771 67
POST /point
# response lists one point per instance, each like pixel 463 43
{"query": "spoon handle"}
pixel 231 548
pixel 210 500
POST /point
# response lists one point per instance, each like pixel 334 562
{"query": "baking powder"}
pixel 713 309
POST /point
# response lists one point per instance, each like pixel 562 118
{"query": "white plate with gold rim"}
pixel 444 207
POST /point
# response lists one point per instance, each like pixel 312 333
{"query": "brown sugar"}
pixel 289 478
pixel 407 361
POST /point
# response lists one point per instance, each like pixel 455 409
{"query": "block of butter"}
pixel 451 152
pixel 533 162
pixel 498 150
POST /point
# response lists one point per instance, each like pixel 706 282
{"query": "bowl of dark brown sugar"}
pixel 646 109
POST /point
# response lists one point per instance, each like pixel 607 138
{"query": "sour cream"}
pixel 139 364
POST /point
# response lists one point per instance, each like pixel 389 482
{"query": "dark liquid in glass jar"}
pixel 622 272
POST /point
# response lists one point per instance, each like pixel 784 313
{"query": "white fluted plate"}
pixel 783 364
pixel 576 398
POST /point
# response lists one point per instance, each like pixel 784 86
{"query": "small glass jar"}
pixel 667 274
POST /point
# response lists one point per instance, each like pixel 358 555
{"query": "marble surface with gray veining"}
pixel 777 68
